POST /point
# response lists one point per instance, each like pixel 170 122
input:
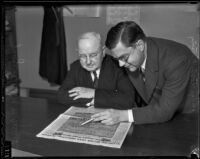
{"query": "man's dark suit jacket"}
pixel 114 87
pixel 167 80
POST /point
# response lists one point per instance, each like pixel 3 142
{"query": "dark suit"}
pixel 168 75
pixel 114 88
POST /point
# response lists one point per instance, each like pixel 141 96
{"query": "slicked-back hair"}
pixel 128 32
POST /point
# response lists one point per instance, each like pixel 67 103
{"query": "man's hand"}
pixel 111 116
pixel 81 92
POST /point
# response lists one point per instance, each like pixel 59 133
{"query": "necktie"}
pixel 142 83
pixel 95 79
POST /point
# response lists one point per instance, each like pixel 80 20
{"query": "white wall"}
pixel 176 22
pixel 29 22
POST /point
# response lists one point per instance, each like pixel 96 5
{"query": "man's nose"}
pixel 121 63
pixel 88 60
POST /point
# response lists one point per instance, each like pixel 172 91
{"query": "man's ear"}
pixel 140 44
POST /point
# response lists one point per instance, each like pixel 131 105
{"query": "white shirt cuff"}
pixel 91 103
pixel 130 116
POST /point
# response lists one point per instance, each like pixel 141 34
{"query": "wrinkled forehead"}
pixel 88 45
pixel 120 50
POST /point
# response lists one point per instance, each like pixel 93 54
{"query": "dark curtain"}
pixel 12 80
pixel 53 65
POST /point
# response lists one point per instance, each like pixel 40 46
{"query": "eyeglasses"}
pixel 125 58
pixel 91 56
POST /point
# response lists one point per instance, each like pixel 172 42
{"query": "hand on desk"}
pixel 81 92
pixel 111 116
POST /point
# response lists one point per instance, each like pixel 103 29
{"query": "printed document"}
pixel 67 127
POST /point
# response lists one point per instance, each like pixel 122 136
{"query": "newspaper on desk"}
pixel 67 127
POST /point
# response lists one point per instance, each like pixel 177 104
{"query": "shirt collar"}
pixel 97 71
pixel 144 62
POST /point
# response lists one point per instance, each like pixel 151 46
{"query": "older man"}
pixel 96 79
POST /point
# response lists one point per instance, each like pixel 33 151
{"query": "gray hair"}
pixel 91 35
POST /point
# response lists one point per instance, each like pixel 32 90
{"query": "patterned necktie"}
pixel 95 79
pixel 142 83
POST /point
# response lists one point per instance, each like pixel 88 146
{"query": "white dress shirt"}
pixel 143 65
pixel 92 75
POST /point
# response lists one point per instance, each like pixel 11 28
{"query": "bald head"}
pixel 90 42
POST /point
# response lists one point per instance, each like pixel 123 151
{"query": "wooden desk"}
pixel 26 117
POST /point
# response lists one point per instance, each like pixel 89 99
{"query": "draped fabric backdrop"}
pixel 12 80
pixel 53 65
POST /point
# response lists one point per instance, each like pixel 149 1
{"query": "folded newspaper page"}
pixel 67 127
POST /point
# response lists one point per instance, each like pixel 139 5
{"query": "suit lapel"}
pixel 87 81
pixel 150 84
pixel 151 69
pixel 138 82
pixel 151 73
pixel 102 74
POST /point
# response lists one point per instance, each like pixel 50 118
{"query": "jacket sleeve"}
pixel 69 83
pixel 177 76
pixel 122 97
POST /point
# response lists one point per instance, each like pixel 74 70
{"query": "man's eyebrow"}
pixel 94 52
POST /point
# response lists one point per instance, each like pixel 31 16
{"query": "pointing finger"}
pixel 97 115
pixel 106 121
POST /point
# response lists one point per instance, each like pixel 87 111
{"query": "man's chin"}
pixel 132 69
pixel 90 69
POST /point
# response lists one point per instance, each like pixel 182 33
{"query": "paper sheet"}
pixel 67 127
